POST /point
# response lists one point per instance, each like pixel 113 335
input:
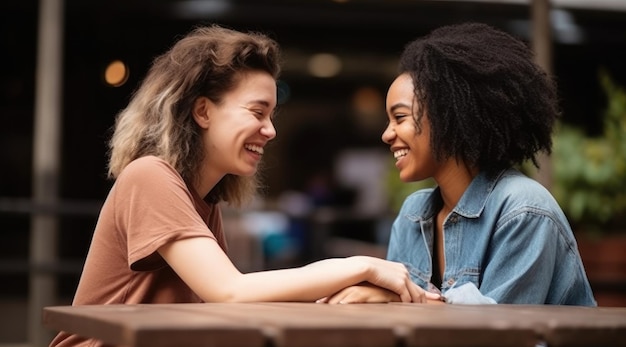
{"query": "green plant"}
pixel 589 179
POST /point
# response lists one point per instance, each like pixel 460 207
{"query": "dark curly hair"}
pixel 488 104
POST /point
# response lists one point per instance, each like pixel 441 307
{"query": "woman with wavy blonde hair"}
pixel 192 137
pixel 157 120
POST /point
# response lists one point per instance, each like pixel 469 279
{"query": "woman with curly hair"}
pixel 469 106
pixel 191 138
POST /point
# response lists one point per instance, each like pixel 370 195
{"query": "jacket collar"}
pixel 472 202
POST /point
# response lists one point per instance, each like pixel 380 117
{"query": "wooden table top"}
pixel 355 325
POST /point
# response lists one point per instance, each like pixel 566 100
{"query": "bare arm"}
pixel 208 271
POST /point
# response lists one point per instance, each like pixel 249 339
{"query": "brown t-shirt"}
pixel 148 206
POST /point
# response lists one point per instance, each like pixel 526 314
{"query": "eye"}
pixel 399 116
pixel 257 112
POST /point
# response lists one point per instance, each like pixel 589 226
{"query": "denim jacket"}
pixel 507 236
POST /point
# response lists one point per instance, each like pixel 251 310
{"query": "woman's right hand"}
pixel 395 277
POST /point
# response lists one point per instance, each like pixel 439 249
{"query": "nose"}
pixel 268 129
pixel 388 135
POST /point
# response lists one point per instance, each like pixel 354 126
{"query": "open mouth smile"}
pixel 254 148
pixel 400 153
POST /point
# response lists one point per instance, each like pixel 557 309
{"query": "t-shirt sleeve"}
pixel 153 206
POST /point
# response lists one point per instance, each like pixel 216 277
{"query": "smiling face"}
pixel 409 145
pixel 236 130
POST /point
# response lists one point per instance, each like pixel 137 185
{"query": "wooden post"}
pixel 541 38
pixel 46 163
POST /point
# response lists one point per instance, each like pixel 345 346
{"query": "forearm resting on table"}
pixel 208 271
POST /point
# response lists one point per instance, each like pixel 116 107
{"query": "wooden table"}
pixel 320 325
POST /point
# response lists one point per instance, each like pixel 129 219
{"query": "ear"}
pixel 200 111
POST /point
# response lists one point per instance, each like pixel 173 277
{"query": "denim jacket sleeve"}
pixel 534 261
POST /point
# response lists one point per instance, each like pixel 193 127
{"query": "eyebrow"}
pixel 397 106
pixel 261 102
pixel 258 102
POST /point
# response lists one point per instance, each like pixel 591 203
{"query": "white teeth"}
pixel 400 153
pixel 254 148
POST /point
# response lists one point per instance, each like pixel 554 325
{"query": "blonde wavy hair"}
pixel 158 120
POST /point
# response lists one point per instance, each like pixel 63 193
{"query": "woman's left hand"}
pixel 361 293
pixel 368 293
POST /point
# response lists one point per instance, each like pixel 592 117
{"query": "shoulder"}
pixel 146 164
pixel 147 173
pixel 148 169
pixel 511 179
pixel 516 189
pixel 517 196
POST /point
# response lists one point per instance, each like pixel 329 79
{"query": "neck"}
pixel 453 180
pixel 205 181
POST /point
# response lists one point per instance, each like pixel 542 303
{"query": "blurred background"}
pixel 330 189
